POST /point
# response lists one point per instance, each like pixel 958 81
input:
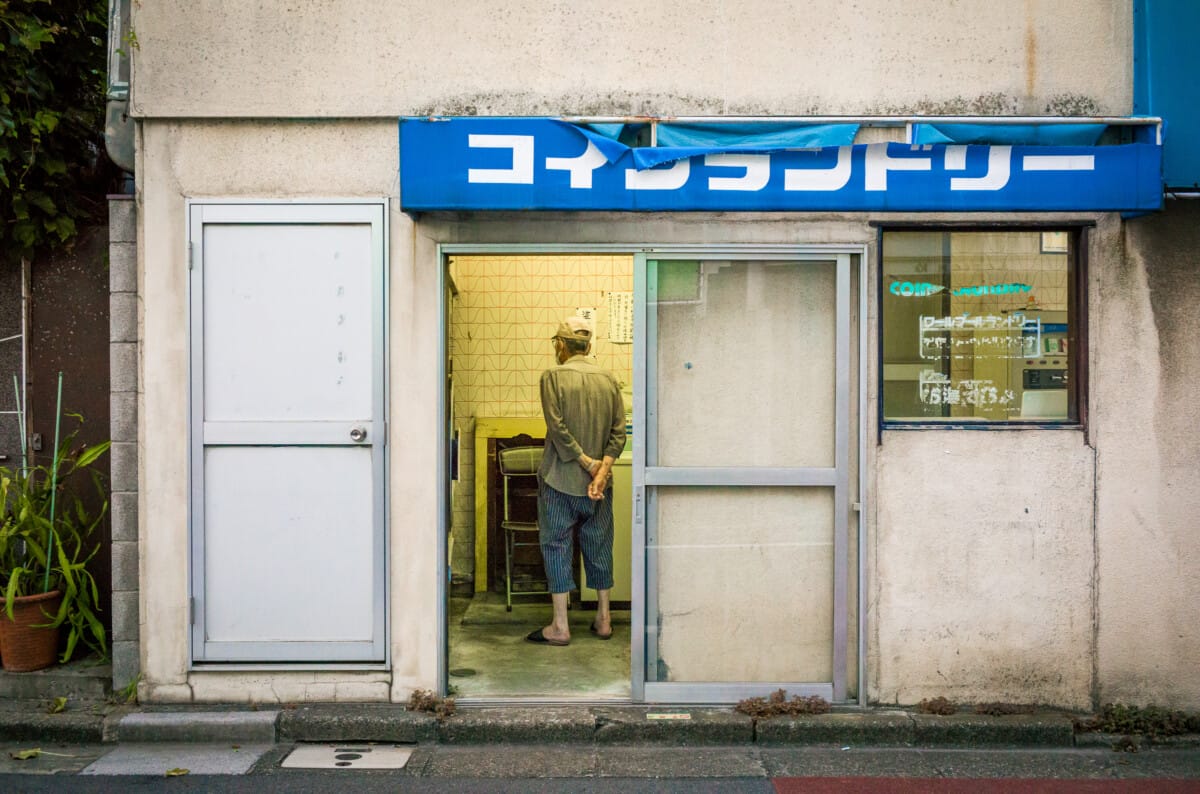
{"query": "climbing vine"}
pixel 53 170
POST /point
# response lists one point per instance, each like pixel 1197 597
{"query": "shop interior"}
pixel 978 326
pixel 502 310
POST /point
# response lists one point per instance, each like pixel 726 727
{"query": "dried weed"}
pixel 777 704
pixel 938 705
pixel 427 701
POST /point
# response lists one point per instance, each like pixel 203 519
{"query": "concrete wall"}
pixel 1049 566
pixel 354 58
pixel 248 159
pixel 1148 478
pixel 969 595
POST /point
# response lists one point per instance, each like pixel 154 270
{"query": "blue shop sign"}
pixel 547 164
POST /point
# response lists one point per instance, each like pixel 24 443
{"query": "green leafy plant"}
pixel 53 170
pixel 47 537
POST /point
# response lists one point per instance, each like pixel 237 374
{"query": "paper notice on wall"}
pixel 620 318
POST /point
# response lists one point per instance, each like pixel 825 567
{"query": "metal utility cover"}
pixel 348 756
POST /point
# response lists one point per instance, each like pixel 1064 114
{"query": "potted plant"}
pixel 46 541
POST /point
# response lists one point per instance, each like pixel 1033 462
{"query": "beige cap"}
pixel 575 328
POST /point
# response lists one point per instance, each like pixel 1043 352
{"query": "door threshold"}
pixel 491 702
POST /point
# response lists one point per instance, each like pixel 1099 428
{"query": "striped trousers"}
pixel 558 516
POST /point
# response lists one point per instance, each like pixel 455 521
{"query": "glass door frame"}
pixel 647 475
pixel 683 692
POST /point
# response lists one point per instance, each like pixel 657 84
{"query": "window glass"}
pixel 979 326
pixel 746 362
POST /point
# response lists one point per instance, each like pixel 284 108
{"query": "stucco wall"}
pixel 1087 595
pixel 982 584
pixel 356 58
pixel 1147 431
pixel 312 160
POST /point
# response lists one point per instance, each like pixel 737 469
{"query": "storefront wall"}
pixel 1016 565
pixel 1145 424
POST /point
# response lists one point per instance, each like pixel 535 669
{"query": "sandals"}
pixel 596 631
pixel 536 636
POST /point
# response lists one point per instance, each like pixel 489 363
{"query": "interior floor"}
pixel 489 656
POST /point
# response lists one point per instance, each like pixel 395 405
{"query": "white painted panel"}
pixel 287 321
pixel 288 544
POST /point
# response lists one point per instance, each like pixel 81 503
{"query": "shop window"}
pixel 980 326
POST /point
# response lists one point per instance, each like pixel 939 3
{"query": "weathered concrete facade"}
pixel 1017 565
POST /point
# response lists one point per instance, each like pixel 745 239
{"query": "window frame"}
pixel 1077 367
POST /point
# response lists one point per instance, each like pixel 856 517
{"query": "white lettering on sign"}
pixel 997 174
pixel 521 172
pixel 879 163
pixel 757 168
pixel 580 167
pixel 937 389
pixel 1014 332
pixel 671 178
pixel 815 179
pixel 1058 162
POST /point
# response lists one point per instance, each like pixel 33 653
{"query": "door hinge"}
pixel 191 256
pixel 192 611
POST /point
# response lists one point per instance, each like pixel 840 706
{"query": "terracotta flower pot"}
pixel 23 647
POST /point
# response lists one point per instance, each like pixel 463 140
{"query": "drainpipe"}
pixel 118 127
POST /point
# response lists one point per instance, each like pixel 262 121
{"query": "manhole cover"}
pixel 348 756
pixel 462 672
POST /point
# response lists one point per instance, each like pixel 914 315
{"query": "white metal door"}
pixel 288 432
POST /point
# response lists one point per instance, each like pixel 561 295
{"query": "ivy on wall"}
pixel 53 170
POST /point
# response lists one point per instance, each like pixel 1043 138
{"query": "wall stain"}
pixel 1165 244
pixel 1073 105
pixel 617 103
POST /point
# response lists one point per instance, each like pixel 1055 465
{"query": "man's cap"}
pixel 575 328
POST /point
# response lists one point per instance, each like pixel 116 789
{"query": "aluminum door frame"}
pixel 819 251
pixel 646 477
pixel 376 653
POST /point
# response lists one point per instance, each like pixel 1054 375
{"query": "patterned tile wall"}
pixel 501 321
pixel 507 309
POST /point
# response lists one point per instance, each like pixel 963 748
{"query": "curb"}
pixel 562 725
pixel 364 723
pixel 247 727
pixel 880 728
pixel 65 728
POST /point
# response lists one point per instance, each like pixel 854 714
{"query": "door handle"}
pixel 358 434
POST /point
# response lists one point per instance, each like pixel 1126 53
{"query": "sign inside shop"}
pixel 920 289
pixel 483 163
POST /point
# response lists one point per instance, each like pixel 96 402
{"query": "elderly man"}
pixel 585 433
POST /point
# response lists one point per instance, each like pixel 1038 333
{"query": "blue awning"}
pixel 479 163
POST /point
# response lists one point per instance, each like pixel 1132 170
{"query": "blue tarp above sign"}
pixel 544 164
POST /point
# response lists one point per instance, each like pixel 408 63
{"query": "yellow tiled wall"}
pixel 507 309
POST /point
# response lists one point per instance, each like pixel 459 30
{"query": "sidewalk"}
pixel 91 717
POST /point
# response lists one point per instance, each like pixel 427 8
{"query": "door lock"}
pixel 358 434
